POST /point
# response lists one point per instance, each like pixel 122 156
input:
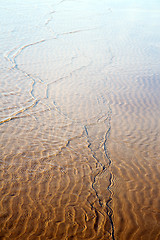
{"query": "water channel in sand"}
pixel 80 119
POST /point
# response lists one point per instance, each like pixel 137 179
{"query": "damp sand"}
pixel 79 120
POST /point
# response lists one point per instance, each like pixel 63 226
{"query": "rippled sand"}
pixel 80 120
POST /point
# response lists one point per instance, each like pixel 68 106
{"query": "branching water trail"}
pixel 101 171
pixel 100 167
pixel 15 115
pixel 15 52
pixel 109 209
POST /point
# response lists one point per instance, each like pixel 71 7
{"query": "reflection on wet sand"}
pixel 134 147
pixel 79 120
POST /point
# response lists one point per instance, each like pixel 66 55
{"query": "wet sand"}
pixel 80 120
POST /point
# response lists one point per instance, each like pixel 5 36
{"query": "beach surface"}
pixel 80 120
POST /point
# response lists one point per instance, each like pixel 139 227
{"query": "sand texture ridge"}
pixel 80 120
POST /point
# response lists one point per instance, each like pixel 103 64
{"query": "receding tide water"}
pixel 80 119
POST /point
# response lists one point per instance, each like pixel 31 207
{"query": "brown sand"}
pixel 134 147
pixel 79 128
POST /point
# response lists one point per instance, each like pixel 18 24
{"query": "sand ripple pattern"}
pixel 79 120
pixel 134 147
pixel 55 124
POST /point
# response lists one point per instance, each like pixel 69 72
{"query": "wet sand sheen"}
pixel 79 139
pixel 135 152
pixel 55 170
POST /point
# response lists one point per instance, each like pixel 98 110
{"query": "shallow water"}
pixel 80 120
